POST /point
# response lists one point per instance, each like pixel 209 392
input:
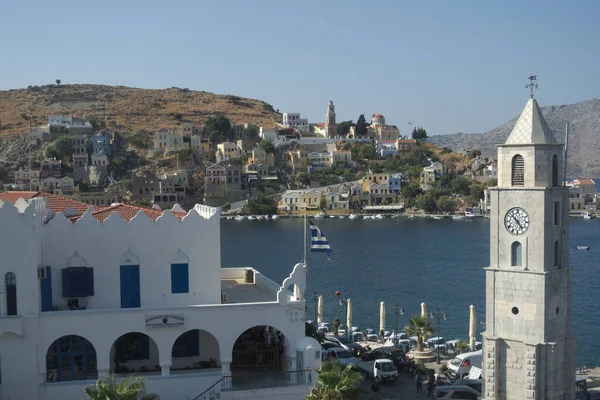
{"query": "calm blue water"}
pixel 407 262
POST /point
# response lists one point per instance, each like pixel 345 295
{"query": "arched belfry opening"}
pixel 555 170
pixel 518 171
pixel 516 254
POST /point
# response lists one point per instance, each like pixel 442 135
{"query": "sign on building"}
pixel 165 321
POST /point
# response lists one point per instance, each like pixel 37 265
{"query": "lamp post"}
pixel 397 310
pixel 438 314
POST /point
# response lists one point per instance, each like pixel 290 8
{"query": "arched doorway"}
pixel 71 358
pixel 195 349
pixel 259 348
pixel 134 352
pixel 11 293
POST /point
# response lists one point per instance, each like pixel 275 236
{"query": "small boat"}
pixel 341 217
pixel 379 216
pixel 587 216
pixel 319 215
pixel 250 217
pixel 583 247
pixel 352 216
pixel 437 217
pixel 274 217
pixel 458 217
pixel 470 215
pixel 332 216
pixel 230 218
pixel 240 218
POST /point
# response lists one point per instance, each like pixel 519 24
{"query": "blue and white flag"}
pixel 318 241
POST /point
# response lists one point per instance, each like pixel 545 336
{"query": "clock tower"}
pixel 528 346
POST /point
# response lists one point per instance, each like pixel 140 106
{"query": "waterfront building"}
pixel 134 290
pixel 588 189
pixel 395 183
pixel 528 346
pixel 576 200
pixel 330 124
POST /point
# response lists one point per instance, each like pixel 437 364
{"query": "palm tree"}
pixel 461 345
pixel 420 327
pixel 336 326
pixel 58 81
pixel 336 383
pixel 114 388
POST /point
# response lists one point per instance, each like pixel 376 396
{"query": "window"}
pixel 515 254
pixel 179 278
pixel 77 282
pixel 71 358
pixel 10 279
pixel 518 171
pixel 187 345
pixel 556 212
pixel 555 170
pixel 557 254
pixel 132 346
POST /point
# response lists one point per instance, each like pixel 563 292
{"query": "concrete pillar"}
pixel 165 369
pixel 226 368
pixel 103 371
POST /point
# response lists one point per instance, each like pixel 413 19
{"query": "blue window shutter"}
pixel 179 278
pixel 66 282
pixel 145 351
pixel 89 281
pixel 46 289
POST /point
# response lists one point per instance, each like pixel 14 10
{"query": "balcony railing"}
pixel 256 381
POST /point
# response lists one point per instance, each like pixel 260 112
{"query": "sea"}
pixel 405 262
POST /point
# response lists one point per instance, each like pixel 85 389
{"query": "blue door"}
pixel 46 289
pixel 130 286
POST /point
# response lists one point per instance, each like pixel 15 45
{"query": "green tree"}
pixel 62 148
pixel 302 178
pixel 420 327
pixel 445 204
pixel 461 345
pixel 492 182
pixel 141 139
pixel 446 150
pixel 267 146
pixel 414 172
pixel 261 206
pixel 218 127
pixel 58 81
pixel 419 133
pixel 336 383
pixel 375 167
pixel 361 126
pixel 411 191
pixel 344 127
pixel 460 185
pixel 476 191
pixel 115 388
pixel 426 202
pixel 367 152
pixel 226 207
pixel 252 131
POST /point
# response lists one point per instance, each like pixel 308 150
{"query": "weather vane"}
pixel 531 84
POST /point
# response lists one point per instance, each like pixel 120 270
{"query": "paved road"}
pixel 403 389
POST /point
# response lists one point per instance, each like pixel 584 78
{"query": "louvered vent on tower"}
pixel 518 171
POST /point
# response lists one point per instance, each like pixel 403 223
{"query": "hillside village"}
pixel 292 166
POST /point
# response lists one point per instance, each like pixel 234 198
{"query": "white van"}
pixel 460 366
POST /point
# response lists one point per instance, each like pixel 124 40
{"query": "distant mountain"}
pixel 584 136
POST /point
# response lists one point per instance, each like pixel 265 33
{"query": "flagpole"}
pixel 304 226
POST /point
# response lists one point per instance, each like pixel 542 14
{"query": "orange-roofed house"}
pixel 588 188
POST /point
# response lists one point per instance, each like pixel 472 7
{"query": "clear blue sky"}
pixel 448 66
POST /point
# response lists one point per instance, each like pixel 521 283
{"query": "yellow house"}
pixel 297 158
pixel 259 156
pixel 341 157
pixel 310 200
pixel 378 179
pixel 227 150
pixel 200 144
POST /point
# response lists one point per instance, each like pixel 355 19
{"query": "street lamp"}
pixel 438 314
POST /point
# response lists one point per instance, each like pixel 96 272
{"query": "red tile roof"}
pixel 319 125
pixel 128 211
pixel 55 203
pixel 586 181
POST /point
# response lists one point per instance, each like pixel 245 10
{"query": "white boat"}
pixel 319 215
pixel 583 247
pixel 469 214
pixel 378 216
pixel 341 217
pixel 250 217
pixel 240 218
pixel 587 216
pixel 437 217
pixel 352 216
pixel 274 217
pixel 458 217
pixel 332 216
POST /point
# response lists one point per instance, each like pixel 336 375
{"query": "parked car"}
pixel 455 392
pixel 342 355
pixel 328 345
pixel 389 353
pixel 460 366
pixel 341 341
pixel 476 384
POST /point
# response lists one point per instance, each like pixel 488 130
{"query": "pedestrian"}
pixel 430 384
pixel 376 389
pixel 419 382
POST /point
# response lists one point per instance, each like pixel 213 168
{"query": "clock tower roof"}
pixel 531 127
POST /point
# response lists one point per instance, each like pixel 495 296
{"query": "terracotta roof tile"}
pixel 128 211
pixel 586 182
pixel 14 196
pixel 55 203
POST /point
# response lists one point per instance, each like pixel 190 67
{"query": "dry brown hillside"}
pixel 126 109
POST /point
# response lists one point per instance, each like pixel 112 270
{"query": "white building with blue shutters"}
pixel 80 299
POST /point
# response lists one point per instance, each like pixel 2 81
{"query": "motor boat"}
pixel 379 216
pixel 352 216
pixel 274 217
pixel 583 247
pixel 240 218
pixel 319 215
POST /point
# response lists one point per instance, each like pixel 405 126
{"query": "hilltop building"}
pixel 135 290
pixel 528 347
pixel 330 124
pixel 293 120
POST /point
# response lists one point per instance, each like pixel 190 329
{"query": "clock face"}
pixel 516 221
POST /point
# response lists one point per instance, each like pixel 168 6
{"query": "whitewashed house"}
pixel 115 291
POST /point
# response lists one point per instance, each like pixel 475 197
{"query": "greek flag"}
pixel 318 241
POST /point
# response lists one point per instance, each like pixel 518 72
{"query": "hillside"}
pixel 126 109
pixel 584 136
